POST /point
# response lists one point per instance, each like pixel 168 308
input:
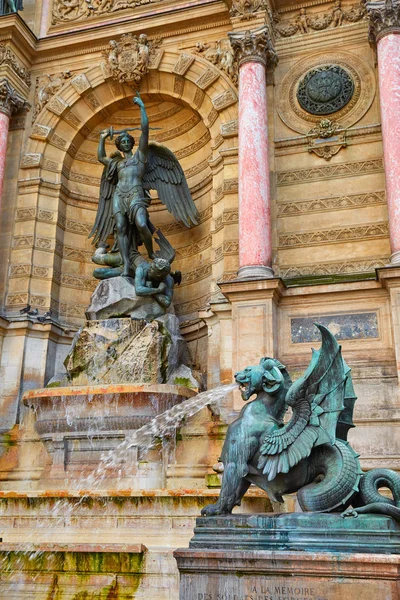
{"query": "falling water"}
pixel 163 425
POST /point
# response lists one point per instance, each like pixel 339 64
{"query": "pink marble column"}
pixel 384 29
pixel 253 50
pixel 10 101
pixel 389 88
pixel 4 125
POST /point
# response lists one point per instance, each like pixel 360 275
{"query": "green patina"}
pixel 309 454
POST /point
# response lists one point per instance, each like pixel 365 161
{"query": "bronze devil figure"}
pixel 309 454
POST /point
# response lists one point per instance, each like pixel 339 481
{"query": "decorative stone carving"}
pixel 47 86
pixel 384 18
pixel 247 9
pixel 253 46
pixel 337 14
pixel 78 10
pixel 325 90
pixel 326 130
pixel 221 55
pixel 128 60
pixel 8 57
pixel 305 23
pixel 300 119
pixel 10 100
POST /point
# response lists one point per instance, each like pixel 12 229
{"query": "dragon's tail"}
pixel 372 501
pixel 337 473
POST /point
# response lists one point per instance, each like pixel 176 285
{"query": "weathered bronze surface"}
pixel 325 90
pixel 10 6
pixel 310 454
pixel 124 199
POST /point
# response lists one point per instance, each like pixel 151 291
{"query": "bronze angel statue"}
pixel 310 453
pixel 125 191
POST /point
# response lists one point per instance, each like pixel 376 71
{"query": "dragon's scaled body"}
pixel 309 454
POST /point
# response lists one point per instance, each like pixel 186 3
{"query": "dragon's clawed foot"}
pixel 213 509
pixel 350 512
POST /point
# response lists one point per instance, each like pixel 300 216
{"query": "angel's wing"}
pixel 316 400
pixel 103 225
pixel 165 175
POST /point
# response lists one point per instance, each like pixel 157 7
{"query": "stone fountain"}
pixel 121 486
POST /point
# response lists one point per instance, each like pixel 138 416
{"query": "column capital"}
pixel 253 46
pixel 10 100
pixel 384 18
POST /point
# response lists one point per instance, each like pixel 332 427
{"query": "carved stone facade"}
pixel 328 216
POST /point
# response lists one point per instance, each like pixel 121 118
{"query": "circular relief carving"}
pixel 325 90
pixel 343 82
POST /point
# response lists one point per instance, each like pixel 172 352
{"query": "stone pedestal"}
pixel 297 556
pixel 280 575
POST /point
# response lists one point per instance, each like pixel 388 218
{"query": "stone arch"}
pixel 84 102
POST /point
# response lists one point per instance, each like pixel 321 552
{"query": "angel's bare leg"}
pixel 121 223
pixel 144 231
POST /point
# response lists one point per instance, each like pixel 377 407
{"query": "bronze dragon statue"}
pixel 309 454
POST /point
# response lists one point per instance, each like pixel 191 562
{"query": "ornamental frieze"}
pixel 334 268
pixel 66 11
pixel 305 22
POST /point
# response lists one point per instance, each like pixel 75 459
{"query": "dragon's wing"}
pixel 316 400
pixel 165 175
pixel 103 225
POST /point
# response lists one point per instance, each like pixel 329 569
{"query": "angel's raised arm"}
pixel 144 123
pixel 101 148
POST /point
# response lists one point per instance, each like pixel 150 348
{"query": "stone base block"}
pixel 281 575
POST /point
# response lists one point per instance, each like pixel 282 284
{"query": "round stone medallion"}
pixel 325 90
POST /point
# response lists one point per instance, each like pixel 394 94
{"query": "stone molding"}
pixel 332 236
pixel 10 100
pixel 384 18
pixel 332 268
pixel 330 171
pixel 301 207
pixel 253 46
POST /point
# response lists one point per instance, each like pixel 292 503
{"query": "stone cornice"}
pixel 10 100
pixel 384 18
pixel 253 46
